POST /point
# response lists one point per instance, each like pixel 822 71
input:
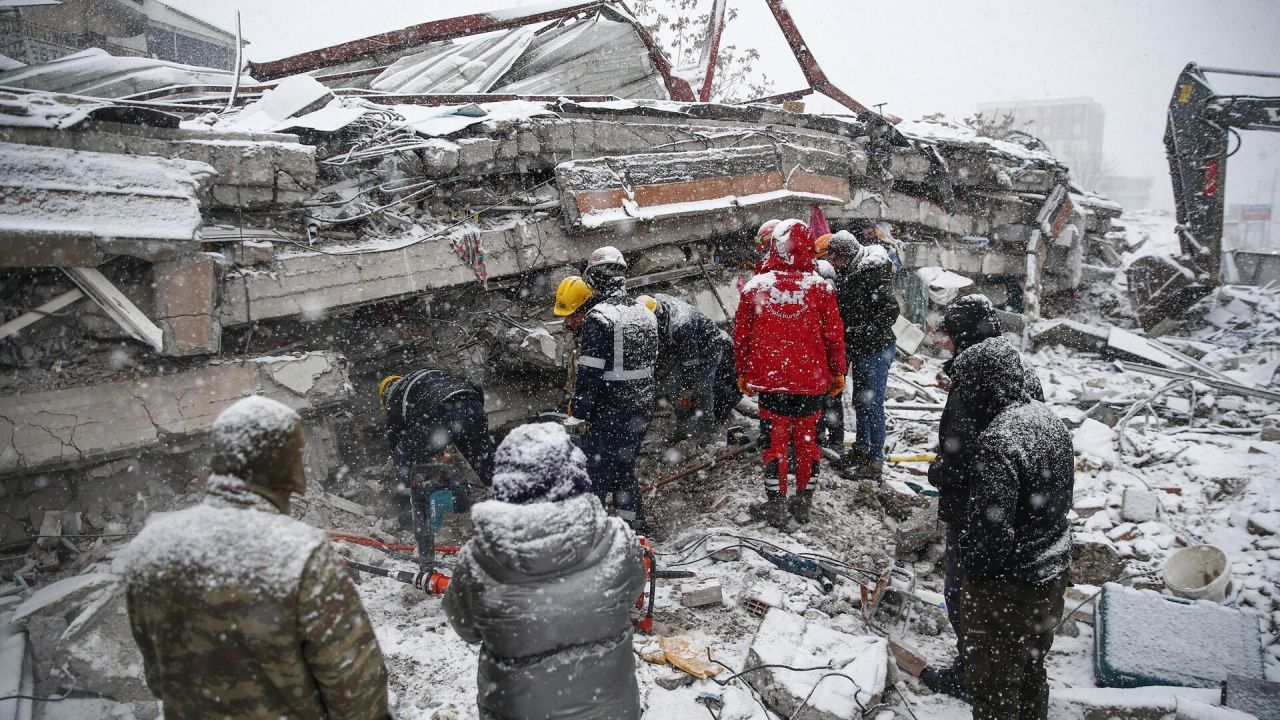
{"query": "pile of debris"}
pixel 355 211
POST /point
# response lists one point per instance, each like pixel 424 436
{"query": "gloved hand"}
pixel 685 402
pixel 837 385
pixel 742 385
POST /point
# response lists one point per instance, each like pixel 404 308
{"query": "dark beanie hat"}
pixel 538 463
pixel 970 320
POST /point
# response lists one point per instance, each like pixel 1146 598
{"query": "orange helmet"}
pixel 821 245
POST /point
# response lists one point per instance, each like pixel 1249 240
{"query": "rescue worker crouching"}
pixel 426 412
pixel 691 348
pixel 789 347
pixel 614 390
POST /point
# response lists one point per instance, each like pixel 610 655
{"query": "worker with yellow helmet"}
pixel 614 390
pixel 427 411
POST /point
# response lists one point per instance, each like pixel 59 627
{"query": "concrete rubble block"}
pixel 1264 523
pixel 1139 505
pixel 107 197
pixel 657 259
pixel 186 305
pixel 61 428
pixel 1144 638
pixel 1146 703
pixel 1250 695
pixel 759 599
pixel 701 594
pixel 254 252
pixel 920 529
pixel 857 679
pixel 100 651
pixel 1070 333
pixel 1094 560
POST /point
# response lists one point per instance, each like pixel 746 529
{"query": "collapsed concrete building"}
pixel 175 238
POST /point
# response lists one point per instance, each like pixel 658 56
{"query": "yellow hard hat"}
pixel 383 387
pixel 821 245
pixel 573 291
pixel 648 301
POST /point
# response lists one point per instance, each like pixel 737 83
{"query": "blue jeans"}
pixel 869 374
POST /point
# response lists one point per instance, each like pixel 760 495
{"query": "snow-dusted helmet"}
pixel 788 235
pixel 764 234
pixel 606 261
pixel 259 440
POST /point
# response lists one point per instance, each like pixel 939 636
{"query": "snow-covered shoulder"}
pixel 218 546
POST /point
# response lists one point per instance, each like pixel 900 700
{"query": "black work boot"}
pixel 946 681
pixel 799 506
pixel 773 510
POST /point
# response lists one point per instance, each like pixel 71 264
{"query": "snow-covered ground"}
pixel 1209 483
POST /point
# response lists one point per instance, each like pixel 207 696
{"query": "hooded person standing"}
pixel 1015 539
pixel 240 610
pixel 968 321
pixel 614 390
pixel 789 348
pixel 868 308
pixel 545 585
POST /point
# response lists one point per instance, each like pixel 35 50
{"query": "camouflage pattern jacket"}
pixel 241 611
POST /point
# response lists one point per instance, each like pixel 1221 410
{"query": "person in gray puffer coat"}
pixel 545 585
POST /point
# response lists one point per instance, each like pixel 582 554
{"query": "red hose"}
pixel 370 542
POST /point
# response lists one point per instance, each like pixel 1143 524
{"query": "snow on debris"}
pixel 99 194
pixel 239 428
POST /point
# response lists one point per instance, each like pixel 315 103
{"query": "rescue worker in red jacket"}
pixel 789 347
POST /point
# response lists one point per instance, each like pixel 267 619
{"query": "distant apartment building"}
pixel 1071 127
pixel 37 31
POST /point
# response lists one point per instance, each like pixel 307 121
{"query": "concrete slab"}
pixel 62 428
pixel 859 668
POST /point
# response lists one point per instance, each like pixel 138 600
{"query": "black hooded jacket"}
pixel 969 321
pixel 868 306
pixel 1015 527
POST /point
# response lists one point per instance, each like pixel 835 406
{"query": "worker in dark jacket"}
pixel 690 348
pixel 1015 539
pixel 868 309
pixel 968 321
pixel 427 410
pixel 614 390
pixel 545 586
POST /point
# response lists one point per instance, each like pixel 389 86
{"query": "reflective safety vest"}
pixel 618 350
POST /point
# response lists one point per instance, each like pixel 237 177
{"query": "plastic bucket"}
pixel 1198 572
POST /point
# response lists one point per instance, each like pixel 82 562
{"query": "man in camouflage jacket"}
pixel 240 610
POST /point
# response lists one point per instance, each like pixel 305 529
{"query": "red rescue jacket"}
pixel 787 336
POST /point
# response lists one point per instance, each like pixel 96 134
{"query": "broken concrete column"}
pixel 186 305
pixel 785 638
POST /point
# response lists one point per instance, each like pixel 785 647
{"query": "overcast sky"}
pixel 925 56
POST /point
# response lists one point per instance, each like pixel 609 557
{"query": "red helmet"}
pixel 764 235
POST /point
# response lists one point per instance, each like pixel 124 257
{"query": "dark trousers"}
pixel 1008 632
pixel 611 446
pixel 952 587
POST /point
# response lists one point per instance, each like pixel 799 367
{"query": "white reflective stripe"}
pixel 627 515
pixel 640 374
pixel 619 345
pixel 591 362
